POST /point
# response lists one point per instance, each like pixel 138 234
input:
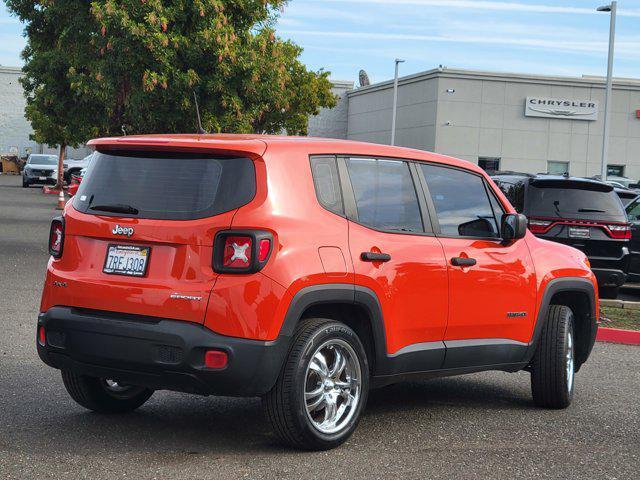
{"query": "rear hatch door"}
pixel 585 214
pixel 139 236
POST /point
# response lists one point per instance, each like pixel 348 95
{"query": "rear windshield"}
pixel 43 160
pixel 558 199
pixel 164 186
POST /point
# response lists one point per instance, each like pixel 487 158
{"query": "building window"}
pixel 558 168
pixel 615 170
pixel 489 164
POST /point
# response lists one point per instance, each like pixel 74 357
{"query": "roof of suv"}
pixel 259 144
pixel 545 177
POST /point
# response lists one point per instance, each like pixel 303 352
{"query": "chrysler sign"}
pixel 561 108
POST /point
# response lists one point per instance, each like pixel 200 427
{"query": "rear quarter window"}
pixel 165 186
pixel 327 183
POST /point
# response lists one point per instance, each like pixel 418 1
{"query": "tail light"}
pixel 539 226
pixel 56 237
pixel 619 231
pixel 241 251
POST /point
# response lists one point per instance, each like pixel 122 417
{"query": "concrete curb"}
pixel 620 304
pixel 616 335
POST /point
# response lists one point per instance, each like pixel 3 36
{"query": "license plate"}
pixel 579 232
pixel 42 178
pixel 127 260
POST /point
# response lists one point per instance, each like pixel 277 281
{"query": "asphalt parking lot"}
pixel 475 426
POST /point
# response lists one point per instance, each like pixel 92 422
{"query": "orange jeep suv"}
pixel 304 271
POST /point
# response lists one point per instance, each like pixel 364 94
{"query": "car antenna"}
pixel 200 129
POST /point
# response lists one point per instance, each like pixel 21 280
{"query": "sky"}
pixel 563 37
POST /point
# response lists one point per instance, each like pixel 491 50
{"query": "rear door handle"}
pixel 375 257
pixel 463 262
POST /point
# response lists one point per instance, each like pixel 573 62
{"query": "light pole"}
pixel 395 103
pixel 607 102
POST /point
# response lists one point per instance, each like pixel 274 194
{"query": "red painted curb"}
pixel 616 335
pixel 51 190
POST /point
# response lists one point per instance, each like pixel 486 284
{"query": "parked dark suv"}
pixel 633 214
pixel 584 213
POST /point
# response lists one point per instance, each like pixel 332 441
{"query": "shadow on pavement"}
pixel 215 425
pixel 458 392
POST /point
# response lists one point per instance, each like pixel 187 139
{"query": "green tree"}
pixel 150 56
pixel 104 67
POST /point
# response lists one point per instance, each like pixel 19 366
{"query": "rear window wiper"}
pixel 590 210
pixel 116 208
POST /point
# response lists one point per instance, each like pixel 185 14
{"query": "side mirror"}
pixel 513 226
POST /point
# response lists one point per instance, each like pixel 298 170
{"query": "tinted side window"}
pixel 633 211
pixel 327 183
pixel 498 210
pixel 385 195
pixel 514 191
pixel 461 202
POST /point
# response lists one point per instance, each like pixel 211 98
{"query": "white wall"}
pixel 370 113
pixel 332 122
pixel 487 119
pixel 14 128
pixel 469 114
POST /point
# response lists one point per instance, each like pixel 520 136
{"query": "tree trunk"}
pixel 63 150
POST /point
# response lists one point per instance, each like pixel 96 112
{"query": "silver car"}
pixel 73 167
pixel 40 169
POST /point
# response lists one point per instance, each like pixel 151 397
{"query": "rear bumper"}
pixel 611 272
pixel 157 353
pixel 610 277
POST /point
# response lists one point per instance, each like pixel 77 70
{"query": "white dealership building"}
pixel 14 127
pixel 528 123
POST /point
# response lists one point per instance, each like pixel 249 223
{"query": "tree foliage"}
pixel 96 68
pixel 58 113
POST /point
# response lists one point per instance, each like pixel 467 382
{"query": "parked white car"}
pixel 73 166
pixel 40 169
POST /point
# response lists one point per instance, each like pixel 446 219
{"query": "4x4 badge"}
pixel 118 230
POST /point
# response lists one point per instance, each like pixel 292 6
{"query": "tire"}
pixel 553 366
pixel 25 184
pixel 305 381
pixel 609 292
pixel 102 395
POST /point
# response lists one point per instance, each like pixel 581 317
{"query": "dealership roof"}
pixel 15 70
pixel 444 72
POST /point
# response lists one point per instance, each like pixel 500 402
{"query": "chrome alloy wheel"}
pixel 569 361
pixel 332 386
